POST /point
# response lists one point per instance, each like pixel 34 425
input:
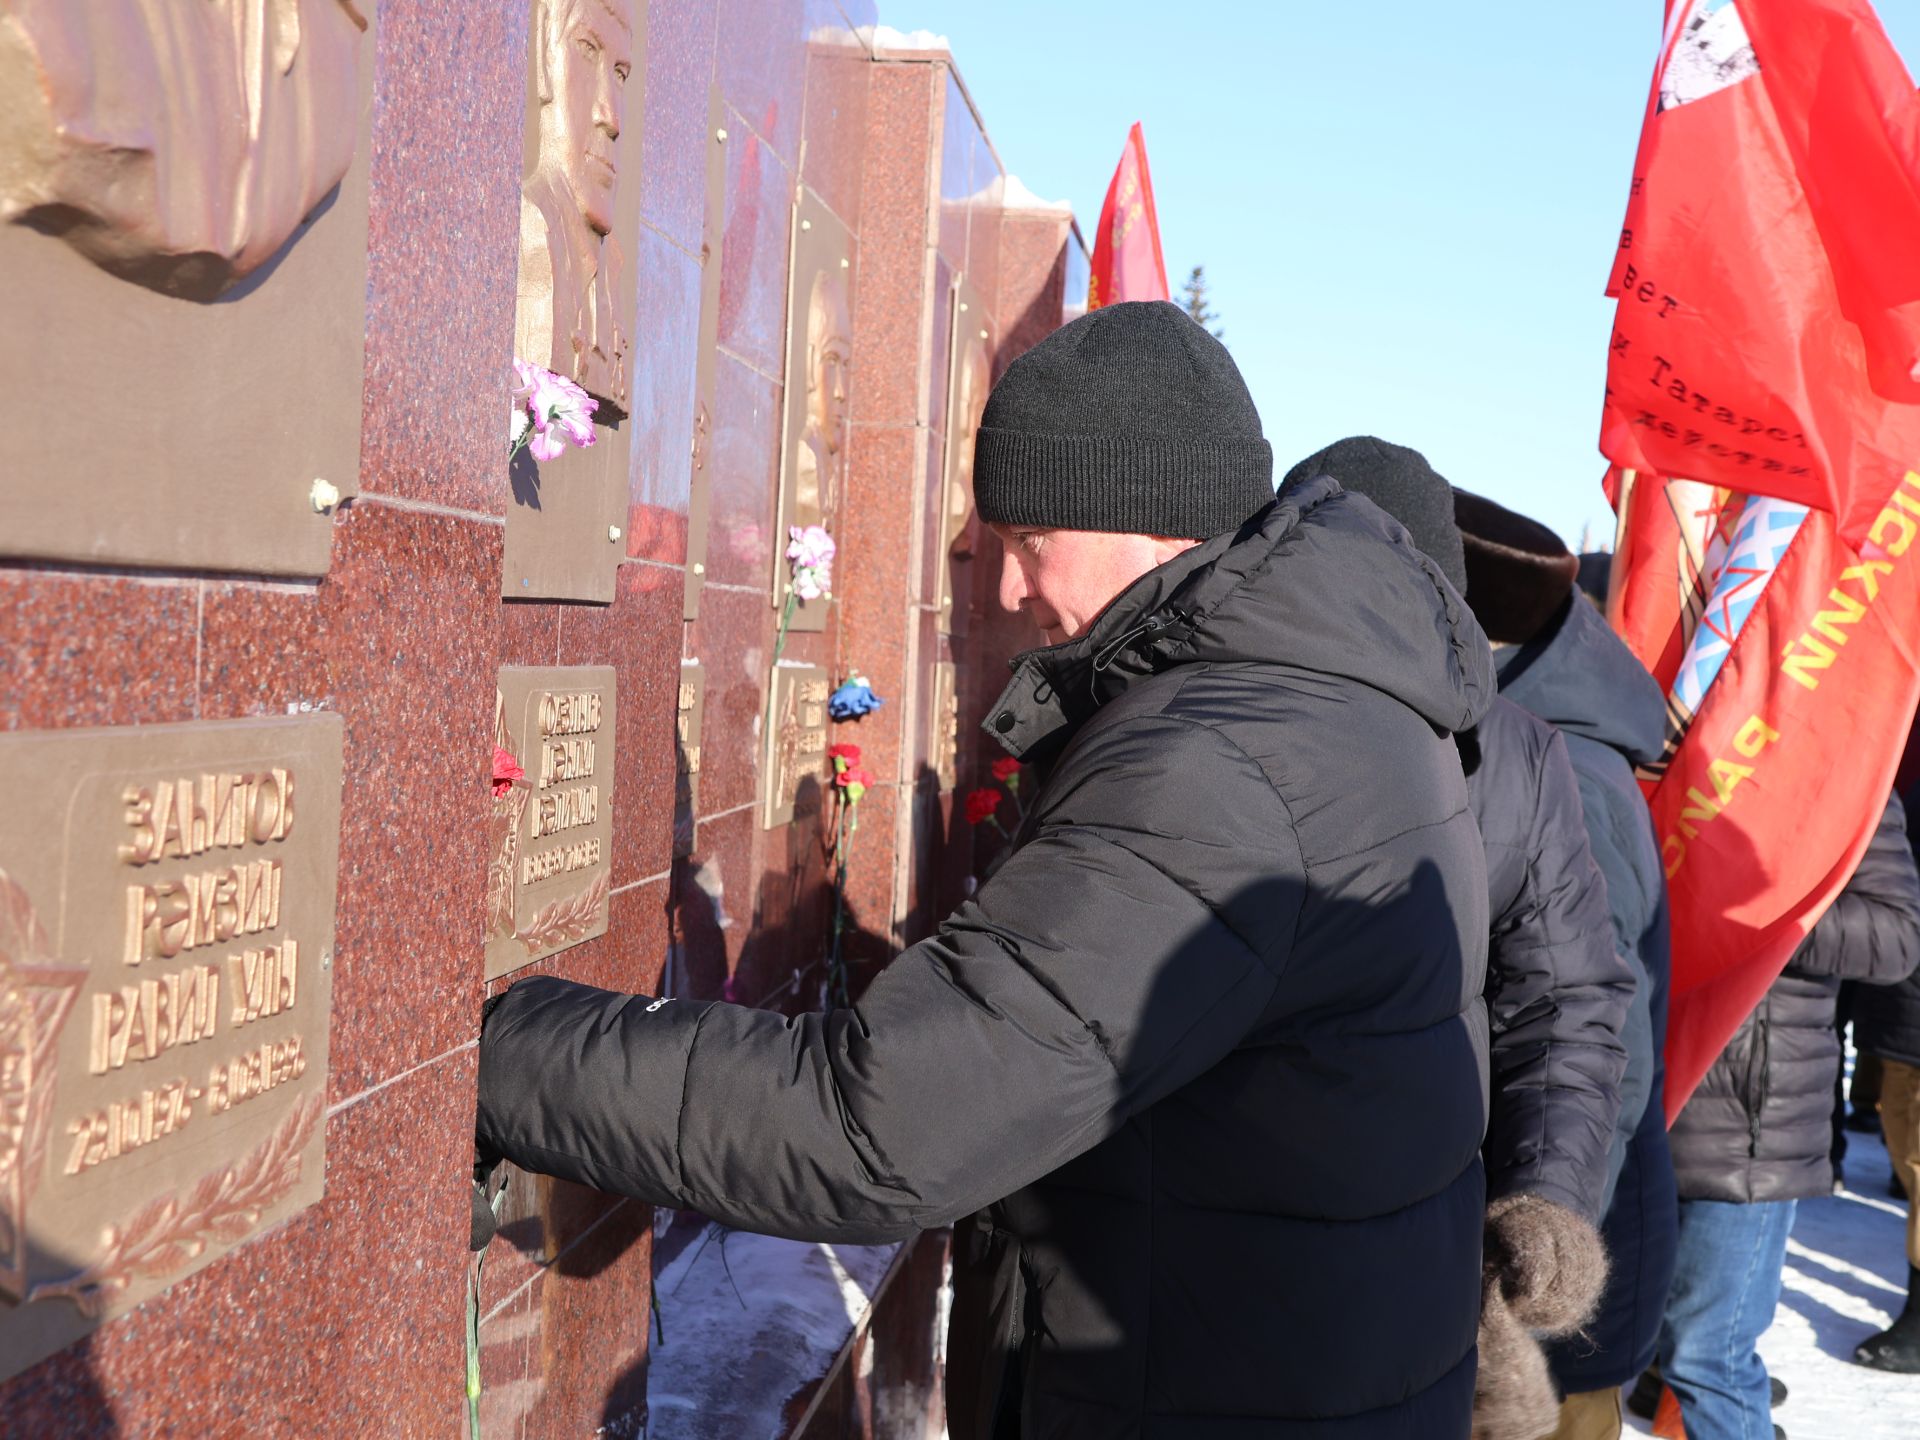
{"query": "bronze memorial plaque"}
pixel 794 768
pixel 819 352
pixel 943 721
pixel 969 378
pixel 686 787
pixel 550 881
pixel 166 954
pixel 183 258
pixel 574 315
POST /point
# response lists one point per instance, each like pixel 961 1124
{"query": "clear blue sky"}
pixel 1406 210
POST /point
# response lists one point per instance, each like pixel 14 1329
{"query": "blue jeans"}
pixel 1725 1287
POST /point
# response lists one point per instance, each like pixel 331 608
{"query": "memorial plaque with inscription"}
pixel 574 312
pixel 794 770
pixel 183 262
pixel 686 787
pixel 819 353
pixel 550 881
pixel 969 378
pixel 166 952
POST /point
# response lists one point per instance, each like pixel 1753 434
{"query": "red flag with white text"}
pixel 1127 263
pixel 1765 347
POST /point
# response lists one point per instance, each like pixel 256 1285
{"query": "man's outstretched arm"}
pixel 1102 968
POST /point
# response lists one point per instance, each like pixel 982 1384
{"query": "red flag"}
pixel 1127 264
pixel 1765 346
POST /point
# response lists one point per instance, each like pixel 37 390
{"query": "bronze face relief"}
pixel 177 145
pixel 567 318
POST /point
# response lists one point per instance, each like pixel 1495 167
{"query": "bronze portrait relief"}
pixel 567 317
pixel 177 145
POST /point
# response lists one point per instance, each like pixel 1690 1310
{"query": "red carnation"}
pixel 506 770
pixel 853 775
pixel 982 805
pixel 1006 768
pixel 844 751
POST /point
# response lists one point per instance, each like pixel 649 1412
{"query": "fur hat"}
pixel 1518 572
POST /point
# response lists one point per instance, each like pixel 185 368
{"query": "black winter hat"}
pixel 1402 483
pixel 1520 570
pixel 1131 419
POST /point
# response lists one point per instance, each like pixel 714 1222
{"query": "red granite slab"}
pixel 835 121
pixel 415 683
pixel 347 1320
pixel 761 62
pixel 530 632
pixel 263 648
pixel 901 124
pixel 733 638
pixel 673 178
pixel 876 544
pixel 661 464
pixel 588 1354
pixel 95 649
pixel 442 250
pixel 758 224
pixel 639 635
pixel 960 138
pixel 745 468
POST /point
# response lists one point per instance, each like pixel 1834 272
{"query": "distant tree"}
pixel 1194 300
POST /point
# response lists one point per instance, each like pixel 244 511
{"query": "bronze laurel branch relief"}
pixel 169 1233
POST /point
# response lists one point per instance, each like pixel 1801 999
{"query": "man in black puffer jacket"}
pixel 1205 1061
pixel 1558 992
pixel 1886 1025
pixel 1755 1139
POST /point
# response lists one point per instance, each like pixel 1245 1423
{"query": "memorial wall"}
pixel 350 672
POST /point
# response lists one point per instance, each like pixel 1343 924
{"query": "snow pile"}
pixel 748 1321
pixel 884 38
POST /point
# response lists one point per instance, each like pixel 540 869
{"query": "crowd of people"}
pixel 1299 1073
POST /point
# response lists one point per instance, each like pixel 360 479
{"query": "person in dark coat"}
pixel 1754 1140
pixel 1886 1025
pixel 1559 992
pixel 1557 657
pixel 1202 1067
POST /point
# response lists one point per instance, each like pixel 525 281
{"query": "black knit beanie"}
pixel 1131 419
pixel 1520 570
pixel 1402 483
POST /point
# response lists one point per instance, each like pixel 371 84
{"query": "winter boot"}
pixel 1897 1348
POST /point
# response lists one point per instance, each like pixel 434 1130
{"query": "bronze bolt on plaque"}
pixel 166 952
pixel 794 770
pixel 550 881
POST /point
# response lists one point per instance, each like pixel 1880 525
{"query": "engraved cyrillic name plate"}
pixel 794 768
pixel 166 953
pixel 550 881
pixel 944 724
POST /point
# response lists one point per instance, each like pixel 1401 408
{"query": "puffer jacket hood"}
pixel 1581 678
pixel 1263 595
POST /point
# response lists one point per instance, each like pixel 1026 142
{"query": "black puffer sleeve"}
pixel 1558 995
pixel 1871 932
pixel 1108 963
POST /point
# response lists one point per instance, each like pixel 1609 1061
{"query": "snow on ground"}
pixel 1846 1277
pixel 748 1320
